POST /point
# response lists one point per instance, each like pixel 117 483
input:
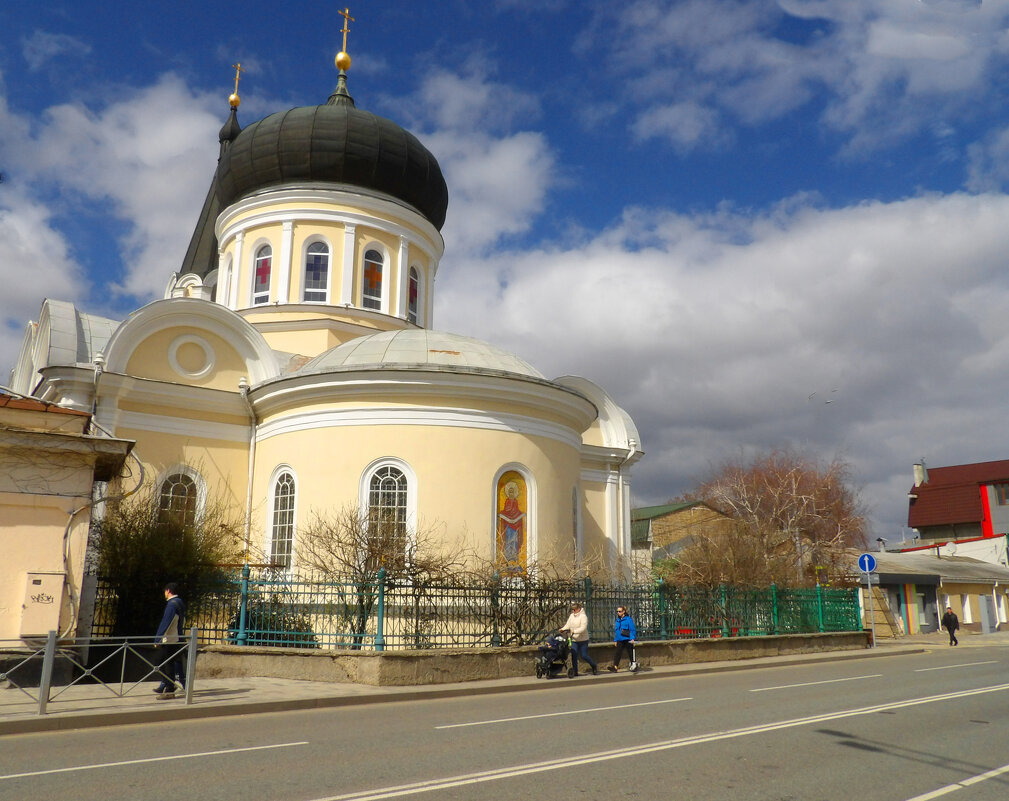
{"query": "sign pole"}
pixel 872 616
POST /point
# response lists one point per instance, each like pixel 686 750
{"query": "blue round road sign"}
pixel 867 562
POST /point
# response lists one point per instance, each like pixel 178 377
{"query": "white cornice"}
pixel 323 318
pixel 279 395
pixel 419 416
pixel 184 427
pixel 261 209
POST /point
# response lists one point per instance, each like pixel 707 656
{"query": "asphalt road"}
pixel 916 726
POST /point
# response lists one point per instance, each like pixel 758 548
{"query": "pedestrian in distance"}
pixel 169 633
pixel 951 623
pixel 624 635
pixel 577 625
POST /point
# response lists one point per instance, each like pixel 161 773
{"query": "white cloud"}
pixel 151 155
pixel 498 179
pixel 715 330
pixel 870 61
pixel 32 254
pixel 42 47
pixel 686 125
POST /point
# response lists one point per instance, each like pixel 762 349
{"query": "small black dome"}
pixel 336 142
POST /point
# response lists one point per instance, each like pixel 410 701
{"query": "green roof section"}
pixel 651 512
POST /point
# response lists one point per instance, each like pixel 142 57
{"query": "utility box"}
pixel 40 613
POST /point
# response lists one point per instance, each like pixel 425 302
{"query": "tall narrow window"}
pixel 261 281
pixel 387 506
pixel 371 291
pixel 282 539
pixel 316 272
pixel 178 499
pixel 413 296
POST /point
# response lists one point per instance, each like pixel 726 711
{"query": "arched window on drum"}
pixel 262 270
pixel 371 289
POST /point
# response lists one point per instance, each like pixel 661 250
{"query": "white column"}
pixel 284 271
pixel 238 275
pixel 404 278
pixel 224 279
pixel 347 288
pixel 427 297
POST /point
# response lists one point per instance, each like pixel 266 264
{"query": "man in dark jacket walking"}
pixel 951 623
pixel 169 633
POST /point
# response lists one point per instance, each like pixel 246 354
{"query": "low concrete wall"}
pixel 409 668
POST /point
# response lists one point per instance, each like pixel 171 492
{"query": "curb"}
pixel 69 721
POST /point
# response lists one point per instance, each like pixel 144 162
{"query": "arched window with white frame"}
pixel 262 271
pixel 413 296
pixel 180 496
pixel 371 280
pixel 316 283
pixel 282 519
pixel 389 495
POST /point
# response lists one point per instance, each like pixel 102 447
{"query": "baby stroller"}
pixel 553 657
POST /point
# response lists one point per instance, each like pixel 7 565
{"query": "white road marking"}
pixel 949 788
pixel 812 683
pixel 149 759
pixel 619 753
pixel 558 714
pixel 965 664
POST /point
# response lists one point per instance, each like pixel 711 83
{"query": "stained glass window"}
pixel 371 292
pixel 414 295
pixel 261 284
pixel 316 272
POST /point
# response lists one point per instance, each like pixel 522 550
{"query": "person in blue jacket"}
pixel 169 633
pixel 624 635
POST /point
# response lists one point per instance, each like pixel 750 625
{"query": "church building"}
pixel 293 366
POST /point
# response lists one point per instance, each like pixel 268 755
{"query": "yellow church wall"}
pixel 223 465
pixel 454 468
pixel 150 359
pixel 595 544
pixel 31 541
pixel 593 435
pixel 184 413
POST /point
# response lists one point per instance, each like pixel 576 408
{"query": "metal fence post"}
pixel 663 616
pixel 495 606
pixel 380 624
pixel 819 604
pixel 774 608
pixel 725 610
pixel 243 607
pixel 47 671
pixel 191 665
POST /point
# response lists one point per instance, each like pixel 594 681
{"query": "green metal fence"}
pixel 263 607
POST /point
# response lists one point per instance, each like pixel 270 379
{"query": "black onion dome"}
pixel 337 143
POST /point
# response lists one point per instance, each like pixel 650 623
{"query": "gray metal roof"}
pixel 928 568
pixel 421 348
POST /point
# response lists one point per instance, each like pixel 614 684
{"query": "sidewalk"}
pixel 88 706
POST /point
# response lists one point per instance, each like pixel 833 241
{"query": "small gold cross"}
pixel 346 28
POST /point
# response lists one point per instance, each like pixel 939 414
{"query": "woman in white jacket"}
pixel 577 625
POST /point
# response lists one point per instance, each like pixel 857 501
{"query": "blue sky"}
pixel 727 213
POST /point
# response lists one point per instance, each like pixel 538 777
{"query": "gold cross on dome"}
pixel 346 27
pixel 238 71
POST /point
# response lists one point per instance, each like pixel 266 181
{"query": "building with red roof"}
pixel 960 502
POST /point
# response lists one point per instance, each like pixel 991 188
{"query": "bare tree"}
pixel 350 546
pixel 794 518
pixel 137 545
